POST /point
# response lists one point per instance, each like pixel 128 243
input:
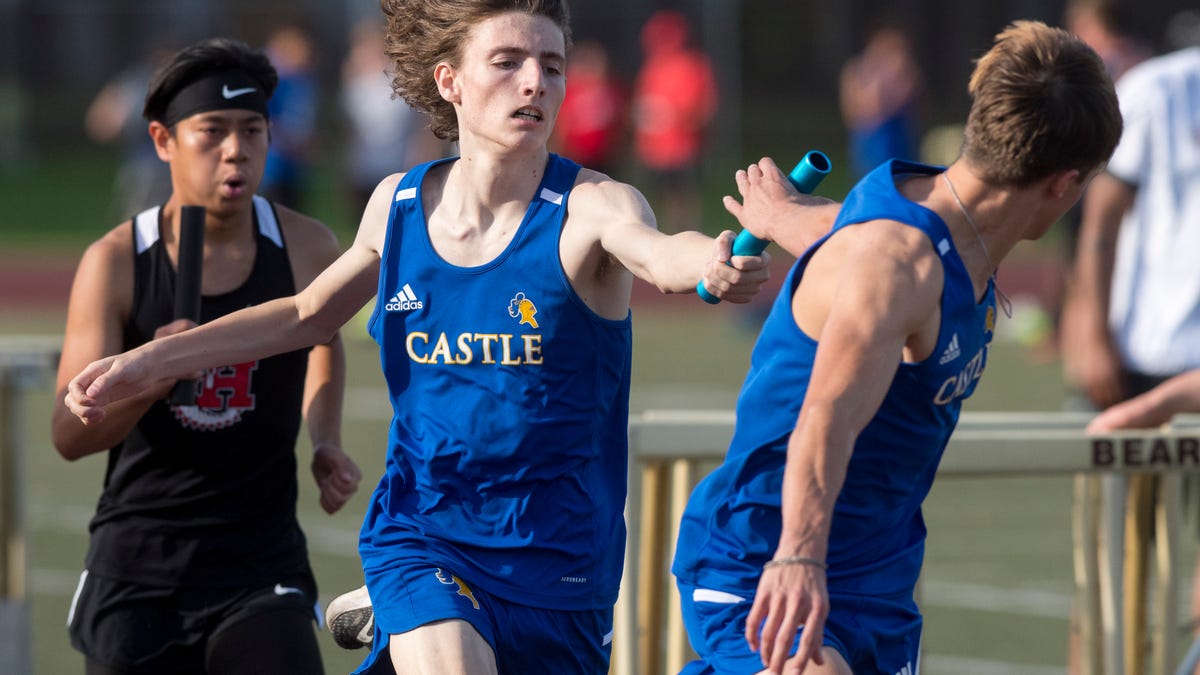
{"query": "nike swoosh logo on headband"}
pixel 234 93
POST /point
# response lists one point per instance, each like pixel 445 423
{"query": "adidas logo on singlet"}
pixel 952 351
pixel 404 301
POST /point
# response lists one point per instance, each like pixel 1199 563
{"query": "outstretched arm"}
pixel 283 325
pixel 101 296
pixel 772 208
pixel 308 318
pixel 1177 395
pixel 617 217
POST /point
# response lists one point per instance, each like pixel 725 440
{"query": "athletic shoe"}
pixel 351 619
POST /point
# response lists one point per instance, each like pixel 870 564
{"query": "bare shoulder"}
pixel 303 232
pixel 597 199
pixel 104 277
pixel 593 188
pixel 312 246
pixel 886 255
pixel 888 241
pixel 881 275
pixel 372 227
pixel 385 190
pixel 112 253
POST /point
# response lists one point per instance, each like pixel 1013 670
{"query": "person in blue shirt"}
pixel 806 543
pixel 879 92
pixel 293 111
pixel 495 538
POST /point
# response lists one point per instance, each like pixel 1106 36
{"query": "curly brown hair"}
pixel 1042 103
pixel 423 33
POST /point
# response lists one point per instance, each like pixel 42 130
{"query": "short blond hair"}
pixel 1042 102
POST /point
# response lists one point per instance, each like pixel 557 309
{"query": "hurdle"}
pixel 669 448
pixel 25 362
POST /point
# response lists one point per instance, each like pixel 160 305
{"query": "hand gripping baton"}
pixel 805 177
pixel 187 285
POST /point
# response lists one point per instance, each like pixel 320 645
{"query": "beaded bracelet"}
pixel 798 560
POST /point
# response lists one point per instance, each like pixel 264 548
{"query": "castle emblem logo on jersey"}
pixel 404 300
pixel 523 308
pixel 952 351
pixel 989 323
pixel 463 589
pixel 223 395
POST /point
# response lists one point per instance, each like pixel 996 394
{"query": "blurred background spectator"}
pixel 293 111
pixel 879 89
pixel 675 98
pixel 592 120
pixel 1109 28
pixel 384 134
pixel 115 117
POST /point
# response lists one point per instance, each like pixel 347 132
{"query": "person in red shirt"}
pixel 593 117
pixel 675 98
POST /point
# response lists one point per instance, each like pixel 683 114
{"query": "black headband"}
pixel 222 90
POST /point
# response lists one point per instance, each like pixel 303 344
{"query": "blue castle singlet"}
pixel 507 454
pixel 733 520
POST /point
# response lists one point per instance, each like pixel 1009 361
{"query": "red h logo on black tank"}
pixel 227 387
pixel 224 395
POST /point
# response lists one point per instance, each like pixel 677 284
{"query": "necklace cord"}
pixel 1005 303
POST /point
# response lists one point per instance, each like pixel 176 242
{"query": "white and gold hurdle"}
pixel 669 447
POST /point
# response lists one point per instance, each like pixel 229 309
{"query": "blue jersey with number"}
pixel 507 453
pixel 733 522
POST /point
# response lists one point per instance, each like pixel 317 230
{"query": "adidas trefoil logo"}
pixel 404 300
pixel 952 351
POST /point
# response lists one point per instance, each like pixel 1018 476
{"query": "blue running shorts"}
pixel 875 635
pixel 524 639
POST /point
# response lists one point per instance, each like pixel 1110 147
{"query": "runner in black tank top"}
pixel 224 467
pixel 197 563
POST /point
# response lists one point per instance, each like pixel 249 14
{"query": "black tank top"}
pixel 205 495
